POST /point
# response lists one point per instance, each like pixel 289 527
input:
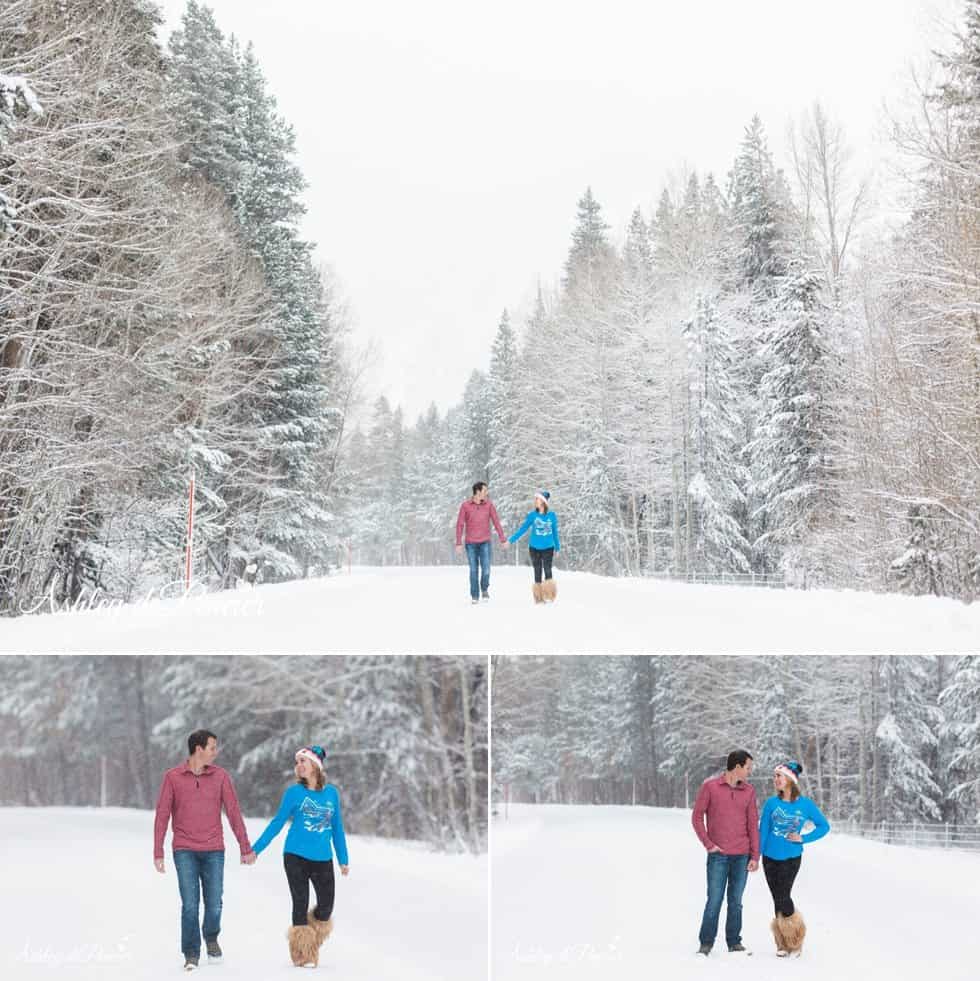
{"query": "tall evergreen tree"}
pixel 641 450
pixel 906 737
pixel 588 258
pixel 475 413
pixel 591 361
pixel 799 393
pixel 921 568
pixel 759 201
pixel 504 423
pixel 207 99
pixel 959 702
pixel 777 736
pixel 235 138
pixel 715 492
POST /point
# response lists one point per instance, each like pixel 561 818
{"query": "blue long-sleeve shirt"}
pixel 783 817
pixel 544 530
pixel 316 824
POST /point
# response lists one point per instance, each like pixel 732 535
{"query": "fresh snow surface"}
pixel 82 900
pixel 428 610
pixel 617 893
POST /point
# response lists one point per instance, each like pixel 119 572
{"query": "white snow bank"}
pixel 427 610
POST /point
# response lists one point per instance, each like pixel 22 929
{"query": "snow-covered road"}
pixel 427 610
pixel 616 893
pixel 82 900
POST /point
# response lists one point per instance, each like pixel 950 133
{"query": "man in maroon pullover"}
pixel 193 794
pixel 475 515
pixel 726 820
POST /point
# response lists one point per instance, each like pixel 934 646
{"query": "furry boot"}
pixel 550 590
pixel 322 928
pixel 777 934
pixel 303 947
pixel 793 930
pixel 538 590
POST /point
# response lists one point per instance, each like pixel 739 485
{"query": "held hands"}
pixel 344 869
pixel 158 865
pixel 249 858
pixel 505 544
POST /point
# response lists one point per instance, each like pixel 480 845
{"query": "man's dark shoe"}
pixel 735 948
pixel 190 963
pixel 704 949
pixel 214 951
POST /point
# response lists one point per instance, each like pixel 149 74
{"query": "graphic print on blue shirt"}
pixel 317 818
pixel 785 823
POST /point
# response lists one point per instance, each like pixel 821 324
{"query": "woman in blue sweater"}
pixel 313 806
pixel 542 546
pixel 781 840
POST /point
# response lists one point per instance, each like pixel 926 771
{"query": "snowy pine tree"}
pixel 960 704
pixel 475 414
pixel 206 98
pixel 758 201
pixel 591 363
pixel 641 452
pixel 920 569
pixel 777 734
pixel 798 394
pixel 715 492
pixel 907 740
pixel 504 424
pixel 234 137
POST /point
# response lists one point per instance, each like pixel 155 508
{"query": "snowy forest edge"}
pixel 406 737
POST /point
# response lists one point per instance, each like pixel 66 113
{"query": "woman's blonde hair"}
pixel 792 788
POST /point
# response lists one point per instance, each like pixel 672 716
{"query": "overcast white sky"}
pixel 446 143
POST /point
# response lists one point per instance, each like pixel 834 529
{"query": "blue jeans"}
pixel 731 871
pixel 197 870
pixel 479 557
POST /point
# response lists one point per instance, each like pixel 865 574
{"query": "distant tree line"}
pixel 882 737
pixel 406 737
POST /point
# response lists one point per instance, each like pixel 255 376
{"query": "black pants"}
pixel 542 557
pixel 300 872
pixel 780 874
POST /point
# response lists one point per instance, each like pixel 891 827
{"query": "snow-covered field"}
pixel 616 893
pixel 81 899
pixel 427 610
